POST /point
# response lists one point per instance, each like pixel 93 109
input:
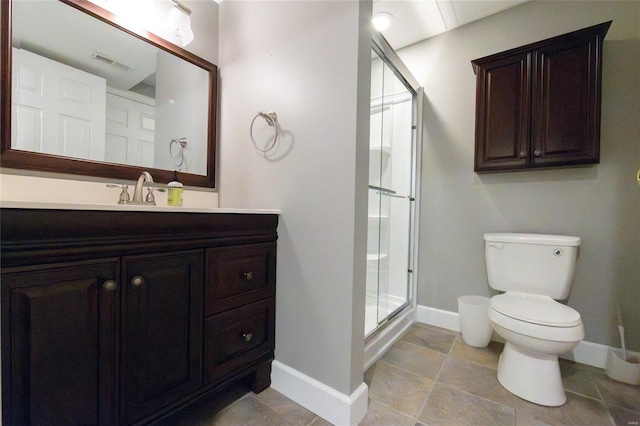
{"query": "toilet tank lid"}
pixel 542 239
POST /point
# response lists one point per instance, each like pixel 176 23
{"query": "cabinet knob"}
pixel 137 281
pixel 537 153
pixel 109 285
pixel 247 337
pixel 248 275
pixel 523 154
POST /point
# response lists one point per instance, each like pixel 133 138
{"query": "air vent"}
pixel 110 61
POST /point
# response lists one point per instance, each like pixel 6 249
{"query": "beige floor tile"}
pixel 398 389
pixel 617 393
pixel 248 411
pixel 378 414
pixel 623 417
pixel 429 337
pixel 476 379
pixel 578 410
pixel 415 359
pixel 488 356
pixel 319 421
pixel 449 406
pixel 282 405
pixel 578 379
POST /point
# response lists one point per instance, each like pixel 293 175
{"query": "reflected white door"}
pixel 49 99
pixel 130 130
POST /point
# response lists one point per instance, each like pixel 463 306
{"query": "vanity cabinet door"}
pixel 59 343
pixel 161 330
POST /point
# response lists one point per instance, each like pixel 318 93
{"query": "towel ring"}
pixel 272 120
pixel 182 144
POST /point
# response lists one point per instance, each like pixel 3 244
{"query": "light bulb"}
pixel 382 20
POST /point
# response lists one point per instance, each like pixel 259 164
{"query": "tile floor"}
pixel 430 377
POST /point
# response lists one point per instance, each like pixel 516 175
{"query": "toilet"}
pixel 533 271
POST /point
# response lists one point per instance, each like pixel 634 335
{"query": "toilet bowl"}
pixel 533 271
pixel 529 365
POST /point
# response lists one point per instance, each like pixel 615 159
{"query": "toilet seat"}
pixel 536 309
pixel 522 313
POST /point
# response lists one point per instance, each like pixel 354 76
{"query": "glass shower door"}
pixel 390 195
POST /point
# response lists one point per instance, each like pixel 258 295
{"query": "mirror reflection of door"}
pixel 130 123
pixel 53 99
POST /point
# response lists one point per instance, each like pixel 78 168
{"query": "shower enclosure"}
pixel 392 187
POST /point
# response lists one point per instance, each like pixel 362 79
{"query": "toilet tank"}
pixel 531 263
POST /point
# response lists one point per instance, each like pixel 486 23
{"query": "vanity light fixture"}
pixel 178 28
pixel 382 20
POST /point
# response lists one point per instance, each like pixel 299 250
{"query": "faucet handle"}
pixel 150 198
pixel 124 195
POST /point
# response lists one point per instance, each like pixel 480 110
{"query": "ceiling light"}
pixel 382 20
pixel 178 28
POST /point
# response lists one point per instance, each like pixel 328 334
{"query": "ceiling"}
pixel 417 20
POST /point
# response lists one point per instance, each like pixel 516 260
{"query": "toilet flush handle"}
pixel 495 245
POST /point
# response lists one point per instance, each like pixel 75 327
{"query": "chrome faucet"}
pixel 144 181
pixel 145 177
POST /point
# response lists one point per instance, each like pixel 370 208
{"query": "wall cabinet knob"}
pixel 248 275
pixel 537 153
pixel 247 337
pixel 523 154
pixel 109 285
pixel 137 281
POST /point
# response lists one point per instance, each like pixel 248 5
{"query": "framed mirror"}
pixel 85 93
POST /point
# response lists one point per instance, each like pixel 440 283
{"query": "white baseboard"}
pixel 589 353
pixel 439 318
pixel 323 400
pixel 381 342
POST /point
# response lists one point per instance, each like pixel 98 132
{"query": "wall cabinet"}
pixel 539 105
pixel 127 325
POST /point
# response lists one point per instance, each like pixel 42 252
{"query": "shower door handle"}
pixel 389 192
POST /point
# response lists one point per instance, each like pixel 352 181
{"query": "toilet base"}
pixel 533 377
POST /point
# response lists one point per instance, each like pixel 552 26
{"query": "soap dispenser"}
pixel 174 190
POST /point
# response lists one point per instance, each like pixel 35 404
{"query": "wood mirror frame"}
pixel 18 159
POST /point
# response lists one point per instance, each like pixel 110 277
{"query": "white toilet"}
pixel 532 270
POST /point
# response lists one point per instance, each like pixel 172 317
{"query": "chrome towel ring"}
pixel 182 144
pixel 272 120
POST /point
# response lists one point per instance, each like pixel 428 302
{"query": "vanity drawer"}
pixel 238 337
pixel 239 275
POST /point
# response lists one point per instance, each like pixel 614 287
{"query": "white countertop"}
pixel 129 207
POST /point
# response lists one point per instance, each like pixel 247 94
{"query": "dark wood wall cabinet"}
pixel 122 317
pixel 538 105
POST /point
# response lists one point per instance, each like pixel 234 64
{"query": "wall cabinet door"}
pixel 566 107
pixel 161 330
pixel 539 105
pixel 59 344
pixel 503 96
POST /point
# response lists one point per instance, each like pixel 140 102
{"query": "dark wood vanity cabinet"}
pixel 59 349
pixel 127 325
pixel 161 329
pixel 539 105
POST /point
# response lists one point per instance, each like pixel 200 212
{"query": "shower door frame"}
pixel 385 334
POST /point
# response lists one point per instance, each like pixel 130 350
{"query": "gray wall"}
pixel 601 203
pixel 310 63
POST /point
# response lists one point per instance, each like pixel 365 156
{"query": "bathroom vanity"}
pixel 113 315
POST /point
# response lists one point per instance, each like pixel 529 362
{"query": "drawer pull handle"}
pixel 109 285
pixel 248 275
pixel 247 337
pixel 137 281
